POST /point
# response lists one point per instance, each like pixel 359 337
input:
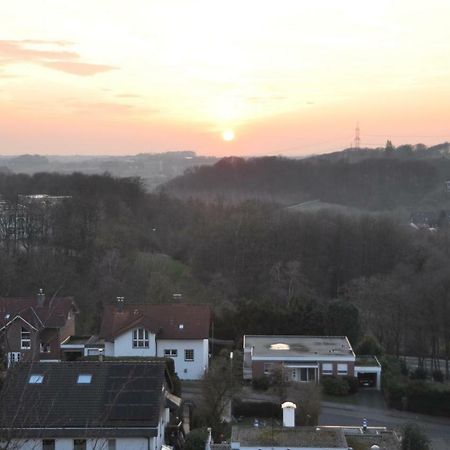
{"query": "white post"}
pixel 289 414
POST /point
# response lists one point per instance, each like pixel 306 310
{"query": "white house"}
pixel 87 406
pixel 177 331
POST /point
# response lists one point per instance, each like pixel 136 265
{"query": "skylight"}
pixel 84 378
pixel 36 379
pixel 279 346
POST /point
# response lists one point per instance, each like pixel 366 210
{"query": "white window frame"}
pixel 327 368
pixel 25 339
pixel 141 338
pixel 170 352
pixel 342 369
pixel 268 368
pixel 186 358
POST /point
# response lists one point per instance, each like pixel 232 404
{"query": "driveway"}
pixel 436 428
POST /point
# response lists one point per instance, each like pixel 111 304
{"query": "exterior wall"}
pixel 92 444
pixel 187 370
pixel 52 337
pixel 11 342
pixel 258 366
pixel 123 346
pixel 109 349
pixel 69 327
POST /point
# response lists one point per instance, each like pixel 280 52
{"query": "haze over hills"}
pixel 152 168
pixel 380 179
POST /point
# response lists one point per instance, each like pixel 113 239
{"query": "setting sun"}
pixel 228 135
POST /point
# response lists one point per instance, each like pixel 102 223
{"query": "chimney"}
pixel 120 303
pixel 288 414
pixel 40 298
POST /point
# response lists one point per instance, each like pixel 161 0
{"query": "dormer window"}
pixel 25 339
pixel 140 338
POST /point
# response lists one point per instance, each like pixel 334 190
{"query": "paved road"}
pixel 437 429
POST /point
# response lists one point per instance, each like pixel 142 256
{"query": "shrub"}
pixel 414 438
pixel 196 439
pixel 353 384
pixel 438 376
pixel 333 385
pixel 261 384
pixel 420 374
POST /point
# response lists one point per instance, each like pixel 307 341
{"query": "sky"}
pixel 243 77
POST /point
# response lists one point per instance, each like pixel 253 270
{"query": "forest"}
pixel 264 269
pixel 370 180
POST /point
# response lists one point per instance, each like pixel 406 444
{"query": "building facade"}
pixel 32 328
pixel 177 331
pixel 88 405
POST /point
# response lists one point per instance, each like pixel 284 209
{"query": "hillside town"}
pixel 123 388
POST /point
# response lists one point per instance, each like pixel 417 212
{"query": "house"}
pixel 32 329
pixel 288 436
pixel 88 405
pixel 177 331
pixel 306 358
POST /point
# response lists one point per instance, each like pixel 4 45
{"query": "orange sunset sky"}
pixel 286 77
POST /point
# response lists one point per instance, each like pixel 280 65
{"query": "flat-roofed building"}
pixel 302 358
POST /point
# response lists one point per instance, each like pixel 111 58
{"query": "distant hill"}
pixel 381 179
pixel 153 168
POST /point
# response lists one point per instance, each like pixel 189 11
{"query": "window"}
pixel 268 368
pixel 79 444
pixel 36 379
pixel 342 369
pixel 48 444
pixel 45 347
pixel 84 378
pixel 189 355
pixel 327 369
pixel 171 352
pixel 25 339
pixel 111 444
pixel 140 338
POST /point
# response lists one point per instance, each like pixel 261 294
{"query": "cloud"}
pixel 51 54
pixel 78 68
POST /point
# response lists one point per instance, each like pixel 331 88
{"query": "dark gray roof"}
pixel 288 437
pixel 123 397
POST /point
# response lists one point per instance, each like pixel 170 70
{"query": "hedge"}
pixel 256 409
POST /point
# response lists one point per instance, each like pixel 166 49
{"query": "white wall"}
pixel 123 346
pixel 92 444
pixel 187 370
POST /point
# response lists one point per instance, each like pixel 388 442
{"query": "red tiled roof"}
pixel 52 314
pixel 167 321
